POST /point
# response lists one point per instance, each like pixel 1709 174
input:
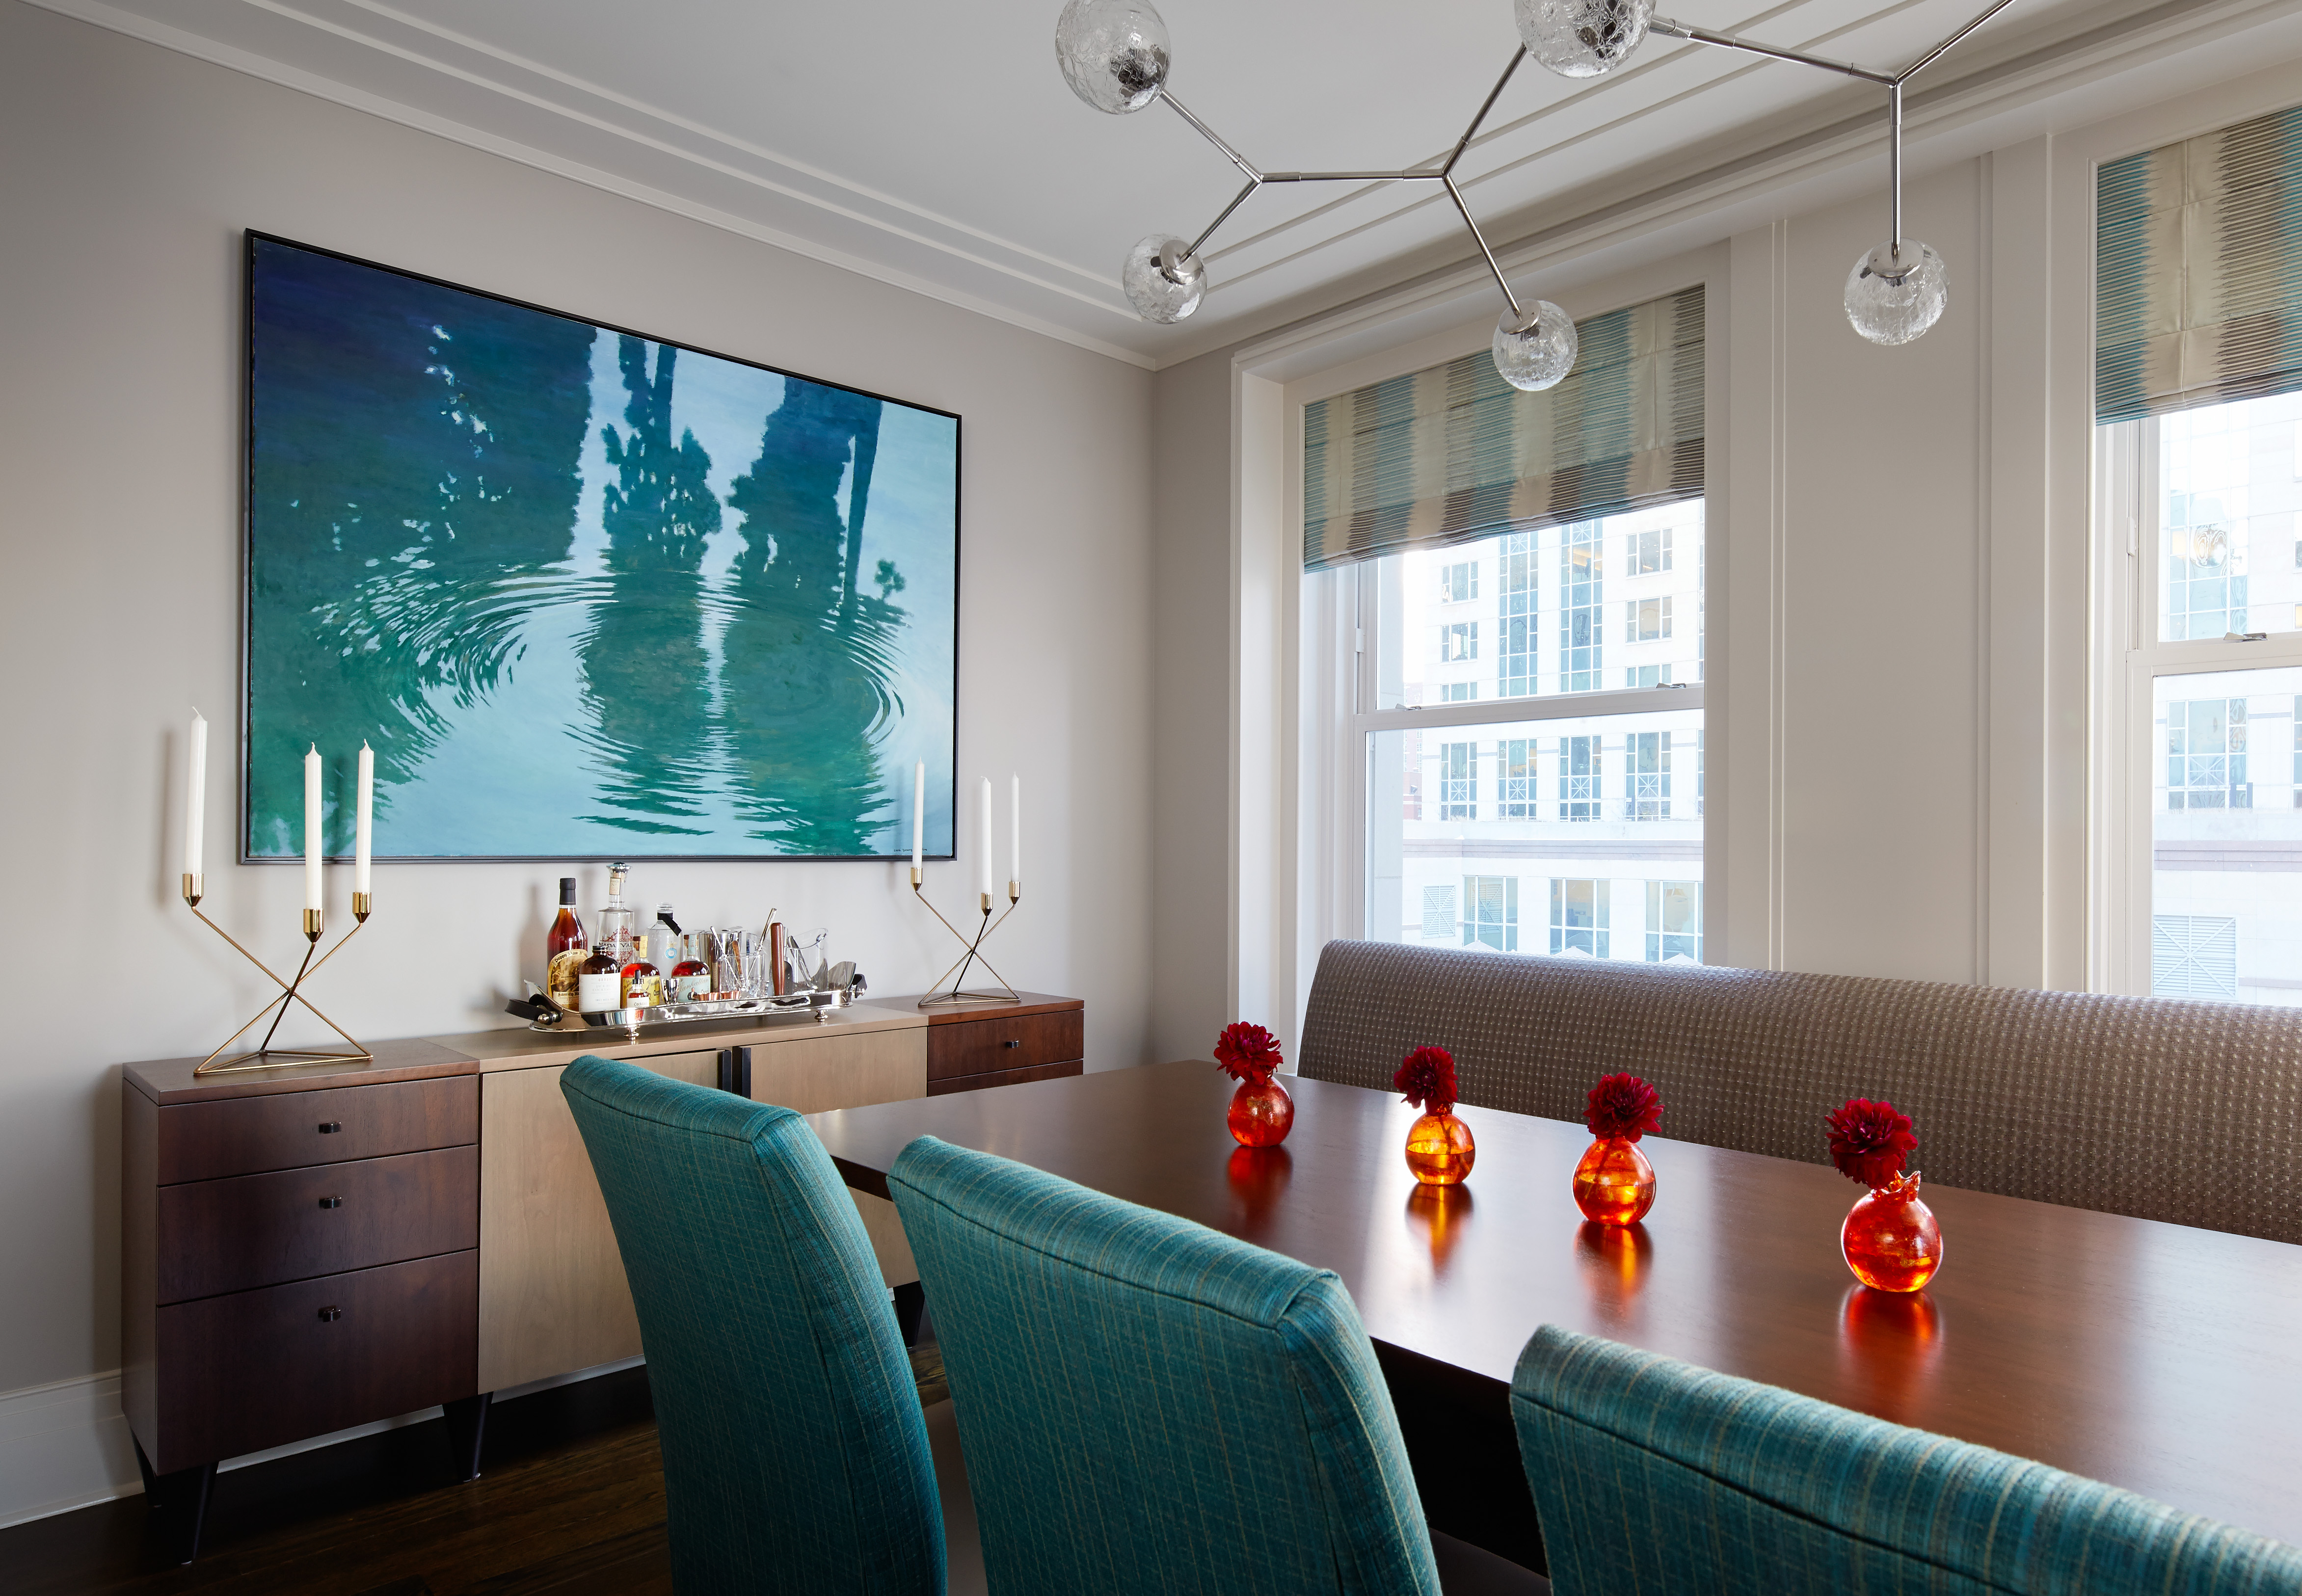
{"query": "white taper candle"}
pixel 363 837
pixel 1015 829
pixel 312 828
pixel 984 852
pixel 196 796
pixel 918 811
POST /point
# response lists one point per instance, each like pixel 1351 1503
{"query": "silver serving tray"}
pixel 791 1005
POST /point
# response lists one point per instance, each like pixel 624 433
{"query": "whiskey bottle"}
pixel 643 982
pixel 567 948
pixel 691 977
pixel 600 978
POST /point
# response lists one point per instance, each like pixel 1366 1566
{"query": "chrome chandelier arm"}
pixel 1238 200
pixel 1471 132
pixel 1501 282
pixel 1942 49
pixel 1211 136
pixel 1727 41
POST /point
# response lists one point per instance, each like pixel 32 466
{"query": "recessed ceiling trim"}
pixel 97 13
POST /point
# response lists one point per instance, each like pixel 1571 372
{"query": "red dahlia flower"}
pixel 1247 1053
pixel 1427 1077
pixel 1623 1106
pixel 1869 1141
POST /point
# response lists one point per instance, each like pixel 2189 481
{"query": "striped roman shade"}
pixel 1453 453
pixel 2198 270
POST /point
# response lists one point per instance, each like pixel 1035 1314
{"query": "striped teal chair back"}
pixel 1652 1476
pixel 794 1455
pixel 1149 1406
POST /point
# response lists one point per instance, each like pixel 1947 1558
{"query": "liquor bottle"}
pixel 600 978
pixel 691 969
pixel 567 948
pixel 643 981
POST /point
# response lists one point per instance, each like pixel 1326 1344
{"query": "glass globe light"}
pixel 1582 39
pixel 1537 349
pixel 1893 300
pixel 1114 53
pixel 1160 282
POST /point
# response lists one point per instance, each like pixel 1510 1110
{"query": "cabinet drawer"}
pixel 246 1136
pixel 976 1083
pixel 257 1369
pixel 232 1235
pixel 1002 1042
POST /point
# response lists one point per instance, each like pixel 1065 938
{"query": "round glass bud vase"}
pixel 1261 1114
pixel 1614 1184
pixel 1439 1150
pixel 1891 1239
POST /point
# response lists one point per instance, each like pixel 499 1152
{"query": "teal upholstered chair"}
pixel 1652 1476
pixel 795 1456
pixel 1149 1406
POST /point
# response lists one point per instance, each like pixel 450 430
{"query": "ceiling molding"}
pixel 102 15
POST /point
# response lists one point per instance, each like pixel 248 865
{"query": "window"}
pixel 1458 693
pixel 2193 955
pixel 1650 550
pixel 1458 781
pixel 1438 913
pixel 1648 620
pixel 1490 913
pixel 1646 795
pixel 1673 922
pixel 2206 754
pixel 1458 584
pixel 1515 619
pixel 1517 799
pixel 1458 640
pixel 1581 570
pixel 1581 763
pixel 1578 918
pixel 1647 676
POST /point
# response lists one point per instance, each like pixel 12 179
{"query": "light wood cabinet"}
pixel 552 1293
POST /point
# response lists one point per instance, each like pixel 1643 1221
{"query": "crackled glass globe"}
pixel 1891 298
pixel 1159 281
pixel 1536 350
pixel 1582 39
pixel 1114 53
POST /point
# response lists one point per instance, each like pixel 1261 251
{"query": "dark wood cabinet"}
pixel 974 1045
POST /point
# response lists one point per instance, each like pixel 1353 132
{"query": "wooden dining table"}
pixel 2157 1357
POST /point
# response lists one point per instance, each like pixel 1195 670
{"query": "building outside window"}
pixel 1578 917
pixel 1458 640
pixel 1458 584
pixel 1673 922
pixel 1647 676
pixel 1649 551
pixel 1648 620
pixel 1458 781
pixel 2194 955
pixel 1458 693
pixel 1490 913
pixel 1438 913
pixel 1646 760
pixel 1581 762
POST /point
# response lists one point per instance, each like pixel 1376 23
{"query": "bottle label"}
pixel 692 987
pixel 597 992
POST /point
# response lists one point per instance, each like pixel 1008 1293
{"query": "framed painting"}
pixel 587 595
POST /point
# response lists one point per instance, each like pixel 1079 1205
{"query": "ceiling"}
pixel 938 146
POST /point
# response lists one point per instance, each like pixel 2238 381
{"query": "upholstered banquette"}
pixel 2158 1108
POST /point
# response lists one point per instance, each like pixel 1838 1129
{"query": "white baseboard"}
pixel 66 1445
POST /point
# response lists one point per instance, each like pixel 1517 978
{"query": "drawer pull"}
pixel 330 1127
pixel 329 1316
pixel 332 1202
pixel 1011 1043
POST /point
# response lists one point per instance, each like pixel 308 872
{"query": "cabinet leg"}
pixel 467 1423
pixel 181 1499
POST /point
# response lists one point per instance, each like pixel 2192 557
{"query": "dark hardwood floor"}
pixel 569 1499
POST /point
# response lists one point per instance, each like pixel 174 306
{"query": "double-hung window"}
pixel 2198 528
pixel 1523 573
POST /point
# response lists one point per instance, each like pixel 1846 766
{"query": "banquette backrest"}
pixel 2163 1108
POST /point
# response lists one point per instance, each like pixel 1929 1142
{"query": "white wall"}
pixel 128 176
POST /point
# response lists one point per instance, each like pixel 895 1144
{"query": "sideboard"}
pixel 308 1249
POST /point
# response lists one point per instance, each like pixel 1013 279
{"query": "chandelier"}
pixel 1114 55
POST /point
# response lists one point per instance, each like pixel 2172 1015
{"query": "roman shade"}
pixel 1453 452
pixel 2198 270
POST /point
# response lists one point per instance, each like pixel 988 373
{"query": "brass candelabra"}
pixel 938 994
pixel 266 1056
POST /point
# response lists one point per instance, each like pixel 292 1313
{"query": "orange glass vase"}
pixel 1439 1150
pixel 1614 1185
pixel 1261 1114
pixel 1891 1239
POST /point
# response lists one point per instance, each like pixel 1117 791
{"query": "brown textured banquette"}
pixel 2163 1108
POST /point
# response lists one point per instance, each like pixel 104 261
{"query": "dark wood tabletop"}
pixel 2159 1358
